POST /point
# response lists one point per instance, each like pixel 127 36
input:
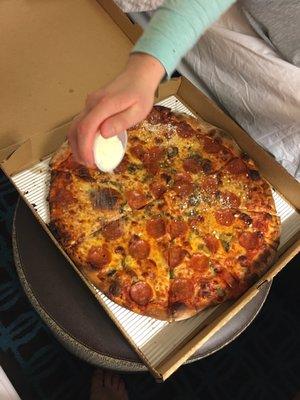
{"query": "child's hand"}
pixel 118 106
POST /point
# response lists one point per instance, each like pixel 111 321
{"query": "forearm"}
pixel 146 69
pixel 175 28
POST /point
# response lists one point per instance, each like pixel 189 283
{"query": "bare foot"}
pixel 107 386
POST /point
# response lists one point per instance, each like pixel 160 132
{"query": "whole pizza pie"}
pixel 184 222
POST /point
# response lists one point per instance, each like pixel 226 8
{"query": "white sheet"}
pixel 240 71
pixel 258 89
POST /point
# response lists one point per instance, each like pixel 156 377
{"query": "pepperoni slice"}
pixel 139 248
pixel 210 184
pixel 199 262
pixel 212 243
pixel 152 168
pixel 175 255
pixel 157 189
pixel 250 240
pixel 122 167
pixel 153 155
pixel 184 130
pixel 112 231
pixel 183 176
pixel 182 289
pixel 192 165
pixel 152 158
pixel 156 227
pixel 194 222
pixel 64 196
pixel 98 256
pixel 224 217
pixel 159 114
pixel 141 293
pixel 150 264
pixel 183 185
pixel 211 146
pixel 229 199
pixel 177 228
pixel 261 223
pixel 138 151
pixel 237 166
pixel 136 199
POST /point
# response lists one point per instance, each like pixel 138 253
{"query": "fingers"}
pixel 88 126
pixel 93 98
pixel 121 121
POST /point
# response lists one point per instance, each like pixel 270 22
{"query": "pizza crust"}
pixel 60 156
pixel 180 311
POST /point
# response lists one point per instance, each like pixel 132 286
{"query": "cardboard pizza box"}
pixel 52 55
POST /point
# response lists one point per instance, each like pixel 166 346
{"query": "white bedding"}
pixel 244 74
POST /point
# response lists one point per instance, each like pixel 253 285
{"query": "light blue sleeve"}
pixel 175 28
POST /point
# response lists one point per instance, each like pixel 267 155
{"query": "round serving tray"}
pixel 73 314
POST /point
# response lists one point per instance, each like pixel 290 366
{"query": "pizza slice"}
pixel 187 142
pixel 240 185
pixel 217 256
pixel 78 207
pixel 125 260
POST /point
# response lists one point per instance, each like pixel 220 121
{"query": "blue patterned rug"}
pixel 262 364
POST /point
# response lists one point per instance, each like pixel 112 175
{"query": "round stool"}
pixel 73 314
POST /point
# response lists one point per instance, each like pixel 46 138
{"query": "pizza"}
pixel 183 223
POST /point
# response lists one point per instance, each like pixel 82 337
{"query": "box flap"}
pixel 52 54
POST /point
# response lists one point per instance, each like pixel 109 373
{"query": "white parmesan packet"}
pixel 109 152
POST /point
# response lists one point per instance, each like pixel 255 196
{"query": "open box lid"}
pixel 52 54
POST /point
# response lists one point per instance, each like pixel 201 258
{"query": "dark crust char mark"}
pixel 105 198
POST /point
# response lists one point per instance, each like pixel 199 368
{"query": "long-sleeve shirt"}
pixel 175 28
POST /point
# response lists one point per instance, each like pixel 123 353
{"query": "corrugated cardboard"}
pixel 56 52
